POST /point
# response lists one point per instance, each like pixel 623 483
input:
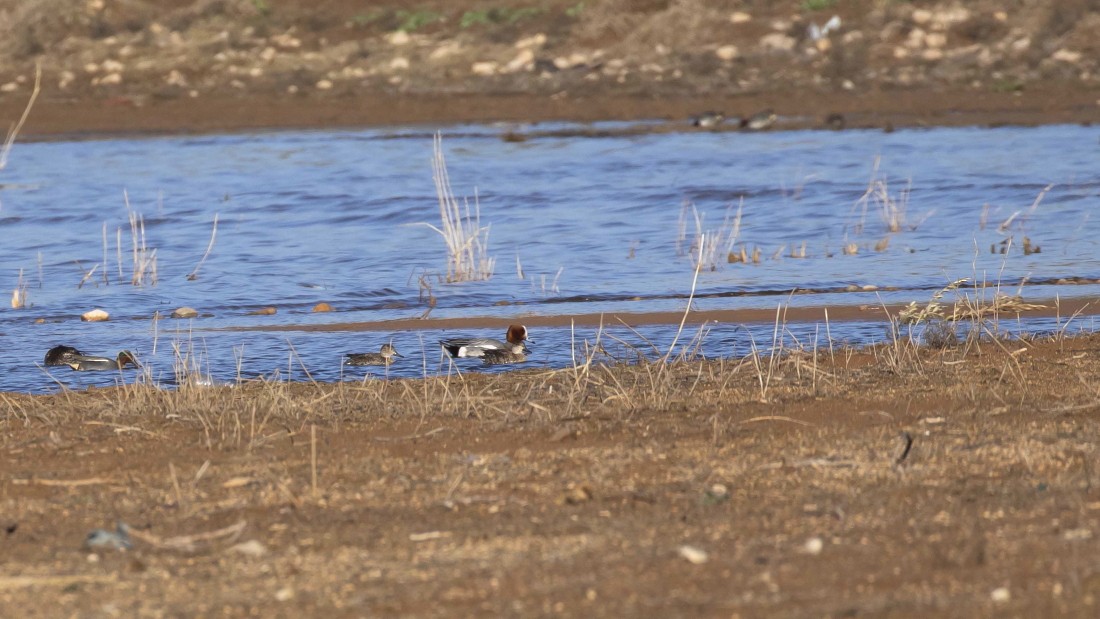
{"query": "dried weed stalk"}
pixel 467 240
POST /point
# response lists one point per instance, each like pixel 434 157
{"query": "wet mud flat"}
pixel 896 481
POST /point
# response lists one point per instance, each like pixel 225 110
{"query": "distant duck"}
pixel 516 354
pixel 84 363
pixel 835 121
pixel 708 120
pixel 61 355
pixel 477 346
pixel 383 357
pixel 759 121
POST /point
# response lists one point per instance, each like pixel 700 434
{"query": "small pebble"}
pixel 693 554
pixel 813 546
pixel 251 548
pixel 322 307
pixel 1000 595
pixel 263 311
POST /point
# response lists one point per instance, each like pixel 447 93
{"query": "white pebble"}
pixel 693 555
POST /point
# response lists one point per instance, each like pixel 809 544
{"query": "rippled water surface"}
pixel 594 224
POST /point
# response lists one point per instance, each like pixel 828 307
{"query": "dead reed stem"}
pixel 193 275
pixel 691 297
pixel 14 132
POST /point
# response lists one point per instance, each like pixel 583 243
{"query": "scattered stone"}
pixel 286 41
pixel 931 55
pixel 322 307
pixel 740 17
pixel 284 595
pixel 717 493
pixel 251 548
pixel 185 312
pixel 536 40
pixel 921 16
pixel 323 85
pixel 726 52
pixel 523 61
pixel 575 494
pixel 484 68
pixel 39 321
pixel 108 80
pixel 777 42
pixel 9 87
pixel 813 546
pixel 96 315
pixel 1065 55
pixel 398 37
pixel 694 555
pixel 446 50
pixel 175 78
pixel 1000 595
pixel 263 311
pixel 400 63
pixel 112 66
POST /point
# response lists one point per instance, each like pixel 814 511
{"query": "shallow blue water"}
pixel 305 217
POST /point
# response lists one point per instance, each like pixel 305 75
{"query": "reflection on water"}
pixel 594 224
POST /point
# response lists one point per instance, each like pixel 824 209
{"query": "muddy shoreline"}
pixel 1051 308
pixel 54 119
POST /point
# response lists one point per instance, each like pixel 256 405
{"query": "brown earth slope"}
pixel 895 482
pixel 201 65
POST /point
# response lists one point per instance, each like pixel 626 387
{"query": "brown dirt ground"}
pixel 1025 88
pixel 569 492
pixel 573 492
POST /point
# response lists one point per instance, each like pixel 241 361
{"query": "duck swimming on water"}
pixel 383 357
pixel 61 355
pixel 516 353
pixel 84 363
pixel 462 347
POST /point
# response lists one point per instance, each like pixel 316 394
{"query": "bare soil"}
pixel 184 66
pixel 891 482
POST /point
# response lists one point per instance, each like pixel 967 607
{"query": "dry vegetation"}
pixel 466 239
pixel 898 480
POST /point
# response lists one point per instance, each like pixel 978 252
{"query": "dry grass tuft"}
pixel 708 247
pixel 467 240
pixel 144 259
pixel 893 209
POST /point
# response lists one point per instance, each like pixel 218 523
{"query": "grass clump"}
pixel 498 15
pixel 411 21
pixel 467 240
pixel 708 247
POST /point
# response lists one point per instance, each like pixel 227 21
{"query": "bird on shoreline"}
pixel 85 363
pixel 464 347
pixel 61 355
pixel 708 120
pixel 385 356
pixel 759 121
pixel 516 353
